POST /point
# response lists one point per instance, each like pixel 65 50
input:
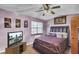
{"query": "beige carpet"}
pixel 31 50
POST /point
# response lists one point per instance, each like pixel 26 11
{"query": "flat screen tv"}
pixel 14 37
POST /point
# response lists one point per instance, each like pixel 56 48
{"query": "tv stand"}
pixel 16 48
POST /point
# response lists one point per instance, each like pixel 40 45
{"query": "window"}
pixel 36 27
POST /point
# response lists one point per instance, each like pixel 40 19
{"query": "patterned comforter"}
pixel 50 45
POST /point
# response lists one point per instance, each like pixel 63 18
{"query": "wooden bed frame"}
pixel 59 29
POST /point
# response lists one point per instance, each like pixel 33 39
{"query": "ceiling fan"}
pixel 47 9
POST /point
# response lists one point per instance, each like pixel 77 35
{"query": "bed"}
pixel 48 44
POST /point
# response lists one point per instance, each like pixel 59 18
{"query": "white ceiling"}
pixel 29 9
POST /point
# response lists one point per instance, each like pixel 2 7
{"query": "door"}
pixel 74 34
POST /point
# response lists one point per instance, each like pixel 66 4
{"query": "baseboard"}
pixel 29 43
pixel 2 51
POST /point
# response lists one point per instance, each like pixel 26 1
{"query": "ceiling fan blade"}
pixel 55 7
pixel 39 10
pixel 45 6
pixel 52 12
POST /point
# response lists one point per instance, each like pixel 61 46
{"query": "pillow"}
pixel 61 35
pixel 52 34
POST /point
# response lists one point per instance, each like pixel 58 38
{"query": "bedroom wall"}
pixel 51 23
pixel 68 22
pixel 26 31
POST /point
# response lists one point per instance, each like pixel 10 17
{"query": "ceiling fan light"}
pixel 45 11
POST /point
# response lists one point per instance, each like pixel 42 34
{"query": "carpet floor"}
pixel 31 50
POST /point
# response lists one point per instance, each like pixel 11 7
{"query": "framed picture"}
pixel 18 23
pixel 7 22
pixel 60 20
pixel 25 23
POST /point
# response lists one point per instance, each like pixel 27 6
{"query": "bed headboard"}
pixel 59 29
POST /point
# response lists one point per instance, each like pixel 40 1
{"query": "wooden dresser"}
pixel 16 48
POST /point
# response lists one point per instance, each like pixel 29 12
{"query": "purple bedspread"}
pixel 49 44
pixel 52 40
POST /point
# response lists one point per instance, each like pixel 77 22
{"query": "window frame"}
pixel 37 29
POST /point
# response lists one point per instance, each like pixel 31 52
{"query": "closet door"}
pixel 74 34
